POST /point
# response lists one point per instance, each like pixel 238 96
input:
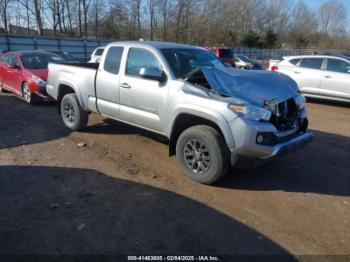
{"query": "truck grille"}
pixel 285 115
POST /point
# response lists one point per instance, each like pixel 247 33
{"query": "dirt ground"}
pixel 120 193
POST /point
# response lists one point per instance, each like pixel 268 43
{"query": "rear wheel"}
pixel 73 115
pixel 27 95
pixel 202 153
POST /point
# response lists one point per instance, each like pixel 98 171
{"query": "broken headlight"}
pixel 251 112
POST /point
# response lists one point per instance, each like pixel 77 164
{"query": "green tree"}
pixel 251 39
pixel 270 39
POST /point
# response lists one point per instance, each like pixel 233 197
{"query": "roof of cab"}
pixel 156 44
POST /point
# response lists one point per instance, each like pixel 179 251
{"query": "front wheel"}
pixel 27 95
pixel 73 115
pixel 202 154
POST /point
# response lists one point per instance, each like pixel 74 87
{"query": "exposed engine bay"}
pixel 285 114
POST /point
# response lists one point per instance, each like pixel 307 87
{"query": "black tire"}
pixel 26 94
pixel 73 115
pixel 211 145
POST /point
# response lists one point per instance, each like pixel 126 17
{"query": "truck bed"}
pixel 79 76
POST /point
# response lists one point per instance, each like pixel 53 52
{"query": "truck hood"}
pixel 255 87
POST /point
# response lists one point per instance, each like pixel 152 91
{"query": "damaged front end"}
pixel 261 96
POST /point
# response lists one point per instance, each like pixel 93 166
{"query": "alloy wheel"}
pixel 27 94
pixel 69 112
pixel 197 156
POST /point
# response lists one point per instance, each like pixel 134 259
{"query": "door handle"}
pixel 296 72
pixel 327 76
pixel 125 85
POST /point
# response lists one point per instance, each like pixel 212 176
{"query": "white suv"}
pixel 319 76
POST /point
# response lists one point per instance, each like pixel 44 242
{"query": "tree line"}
pixel 248 23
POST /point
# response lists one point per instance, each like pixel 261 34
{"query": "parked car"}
pixel 65 55
pixel 318 76
pixel 214 116
pixel 25 73
pixel 224 54
pixel 97 54
pixel 244 62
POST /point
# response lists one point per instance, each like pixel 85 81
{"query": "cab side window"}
pixel 336 65
pixel 139 58
pixel 312 63
pixel 112 61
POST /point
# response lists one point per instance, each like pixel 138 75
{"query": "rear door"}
pixel 4 77
pixel 308 75
pixel 3 68
pixel 107 82
pixel 11 77
pixel 336 78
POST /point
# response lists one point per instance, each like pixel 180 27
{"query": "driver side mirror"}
pixel 152 73
pixel 14 66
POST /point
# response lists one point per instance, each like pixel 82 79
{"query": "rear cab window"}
pixel 312 63
pixel 113 58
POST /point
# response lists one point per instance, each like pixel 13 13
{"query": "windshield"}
pixel 244 58
pixel 225 53
pixel 183 61
pixel 65 55
pixel 68 57
pixel 39 61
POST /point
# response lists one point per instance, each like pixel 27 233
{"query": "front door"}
pixel 14 75
pixel 141 99
pixel 336 79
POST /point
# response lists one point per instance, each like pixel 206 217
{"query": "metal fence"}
pixel 265 54
pixel 82 48
pixel 78 47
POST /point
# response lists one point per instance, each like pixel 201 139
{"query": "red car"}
pixel 25 73
pixel 225 54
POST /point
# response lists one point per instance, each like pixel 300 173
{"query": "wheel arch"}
pixel 185 120
pixel 67 88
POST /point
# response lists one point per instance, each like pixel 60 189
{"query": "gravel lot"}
pixel 112 189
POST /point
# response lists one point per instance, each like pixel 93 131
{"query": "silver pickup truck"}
pixel 214 116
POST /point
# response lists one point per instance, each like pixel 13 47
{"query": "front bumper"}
pixel 40 92
pixel 43 96
pixel 245 135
